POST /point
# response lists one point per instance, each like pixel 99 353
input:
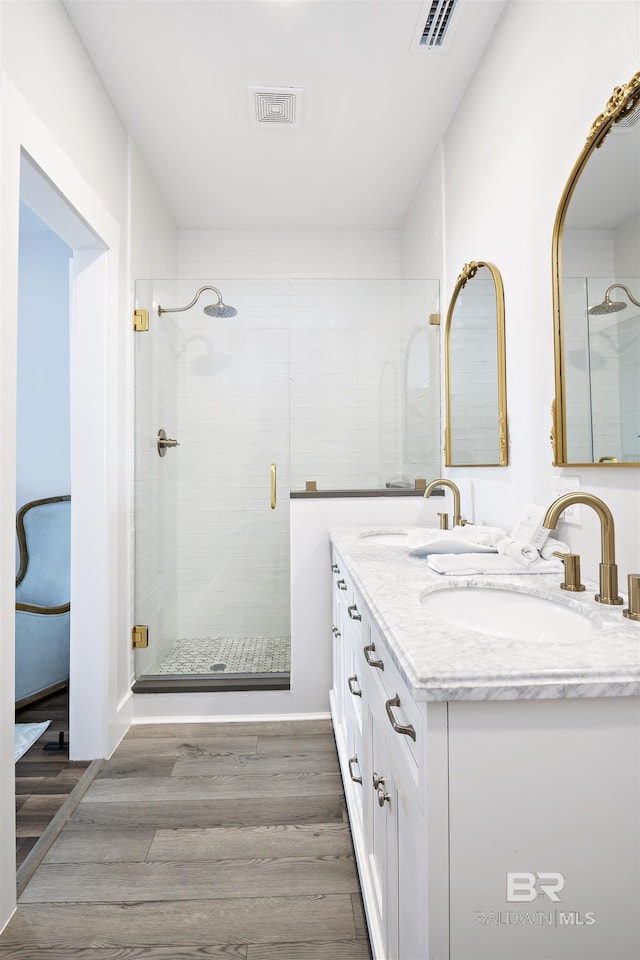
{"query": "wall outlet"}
pixel 562 485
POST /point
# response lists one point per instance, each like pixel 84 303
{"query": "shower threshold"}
pixel 218 684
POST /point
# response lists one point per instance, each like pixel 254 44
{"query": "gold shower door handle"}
pixel 273 486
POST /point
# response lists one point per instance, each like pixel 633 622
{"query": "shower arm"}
pixel 621 286
pixel 162 310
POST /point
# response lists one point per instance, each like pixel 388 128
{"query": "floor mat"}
pixel 26 735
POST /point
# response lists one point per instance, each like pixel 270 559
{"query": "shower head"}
pixel 218 309
pixel 607 306
pixel 612 306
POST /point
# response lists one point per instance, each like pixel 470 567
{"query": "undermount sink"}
pixel 389 537
pixel 508 613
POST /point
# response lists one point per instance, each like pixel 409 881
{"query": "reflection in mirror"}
pixel 475 381
pixel 596 260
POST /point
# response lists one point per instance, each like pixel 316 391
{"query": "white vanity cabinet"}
pixel 488 829
pixel 380 736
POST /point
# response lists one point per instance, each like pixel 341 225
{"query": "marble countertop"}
pixel 440 661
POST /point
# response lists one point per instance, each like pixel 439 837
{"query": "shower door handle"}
pixel 273 486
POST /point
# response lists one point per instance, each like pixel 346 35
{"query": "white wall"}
pixel 507 156
pixel 290 253
pixel 53 106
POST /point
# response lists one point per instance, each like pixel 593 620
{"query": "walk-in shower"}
pixel 334 381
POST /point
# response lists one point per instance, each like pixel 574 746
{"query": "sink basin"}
pixel 507 613
pixel 396 537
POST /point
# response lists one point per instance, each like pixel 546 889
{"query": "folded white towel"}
pixel 523 553
pixel 553 546
pixel 468 539
pixel 465 564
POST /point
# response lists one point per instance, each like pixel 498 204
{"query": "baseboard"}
pixel 238 718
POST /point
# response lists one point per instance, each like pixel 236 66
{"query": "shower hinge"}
pixel 139 637
pixel 140 320
pixel 434 319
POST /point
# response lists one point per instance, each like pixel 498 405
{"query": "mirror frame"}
pixel 469 271
pixel 624 99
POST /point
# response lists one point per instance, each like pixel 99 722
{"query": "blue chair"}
pixel 42 598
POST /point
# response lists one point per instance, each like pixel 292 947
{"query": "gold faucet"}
pixel 457 520
pixel 608 568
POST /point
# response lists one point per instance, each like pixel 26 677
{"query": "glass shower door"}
pixel 212 513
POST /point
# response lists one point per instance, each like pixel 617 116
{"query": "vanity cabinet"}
pixel 451 802
pixel 380 736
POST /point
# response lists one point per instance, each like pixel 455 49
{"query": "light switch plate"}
pixel 562 485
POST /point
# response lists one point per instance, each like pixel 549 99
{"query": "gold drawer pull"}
pixel 408 731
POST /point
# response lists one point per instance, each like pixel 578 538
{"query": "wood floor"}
pixel 44 778
pixel 202 840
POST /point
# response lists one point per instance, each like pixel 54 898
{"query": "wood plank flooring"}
pixel 202 840
pixel 44 779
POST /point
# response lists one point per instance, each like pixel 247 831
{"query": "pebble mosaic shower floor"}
pixel 219 655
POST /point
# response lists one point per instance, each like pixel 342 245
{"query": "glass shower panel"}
pixel 365 383
pixel 155 486
pixel 220 387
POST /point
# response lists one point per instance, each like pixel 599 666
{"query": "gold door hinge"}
pixel 139 637
pixel 140 320
pixel 434 319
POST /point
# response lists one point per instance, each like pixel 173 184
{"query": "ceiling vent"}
pixel 435 22
pixel 276 106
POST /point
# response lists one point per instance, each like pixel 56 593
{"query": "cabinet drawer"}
pixel 403 715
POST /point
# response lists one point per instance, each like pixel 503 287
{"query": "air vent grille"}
pixel 438 22
pixel 276 106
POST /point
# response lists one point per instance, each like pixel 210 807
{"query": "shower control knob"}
pixel 164 441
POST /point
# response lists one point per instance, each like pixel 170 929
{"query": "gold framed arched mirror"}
pixel 596 294
pixel 475 370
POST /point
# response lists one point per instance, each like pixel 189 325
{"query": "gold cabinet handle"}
pixel 273 486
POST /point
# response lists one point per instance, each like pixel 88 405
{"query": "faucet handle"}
pixel 632 612
pixel 571 580
pixel 444 520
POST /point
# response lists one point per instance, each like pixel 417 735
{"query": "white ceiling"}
pixel 374 109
